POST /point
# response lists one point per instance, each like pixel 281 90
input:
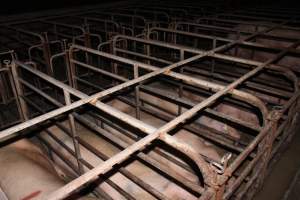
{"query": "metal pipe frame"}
pixel 274 58
pixel 135 22
pixel 167 124
pixel 152 58
pixel 233 23
pixel 288 73
pixel 122 51
pixel 115 140
pixel 9 95
pixel 254 158
pixel 184 116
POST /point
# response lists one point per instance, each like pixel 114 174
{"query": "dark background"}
pixel 25 6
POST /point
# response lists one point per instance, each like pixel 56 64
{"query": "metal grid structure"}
pixel 172 56
pixel 11 112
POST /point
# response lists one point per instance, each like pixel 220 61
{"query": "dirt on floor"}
pixel 283 182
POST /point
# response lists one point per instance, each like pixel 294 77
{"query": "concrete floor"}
pixel 293 192
pixel 284 175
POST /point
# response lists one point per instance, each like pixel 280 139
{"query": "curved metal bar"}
pixel 286 72
pixel 117 26
pixel 176 25
pixel 30 49
pixel 64 25
pixel 249 98
pixel 42 39
pixel 209 175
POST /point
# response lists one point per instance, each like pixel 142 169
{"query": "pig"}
pixel 26 173
pixel 165 186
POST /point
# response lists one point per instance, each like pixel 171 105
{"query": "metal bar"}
pixel 160 133
pixel 74 134
pixel 18 89
pixel 169 126
pixel 202 83
pixel 166 138
pixel 110 136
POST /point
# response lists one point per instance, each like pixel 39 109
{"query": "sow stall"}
pixel 118 117
pixel 11 112
pixel 236 174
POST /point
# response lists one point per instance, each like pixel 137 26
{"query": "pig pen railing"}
pixel 277 122
pixel 168 126
pixel 148 138
pixel 241 29
pixel 283 71
pixel 102 156
pixel 11 112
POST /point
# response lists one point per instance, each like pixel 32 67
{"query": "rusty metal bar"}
pixel 212 179
pixel 115 140
pixel 74 134
pixel 89 147
pixel 160 133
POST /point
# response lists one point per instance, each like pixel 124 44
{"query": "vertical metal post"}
pixel 55 31
pixel 64 48
pixel 114 65
pixel 71 69
pixel 106 30
pixel 47 54
pixel 213 62
pixel 180 92
pixel 22 106
pixel 15 95
pixel 3 91
pixel 87 42
pixel 133 24
pixel 148 48
pixel 174 40
pixel 74 134
pixel 236 49
pixel 137 92
pixel 253 51
pixel 273 118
